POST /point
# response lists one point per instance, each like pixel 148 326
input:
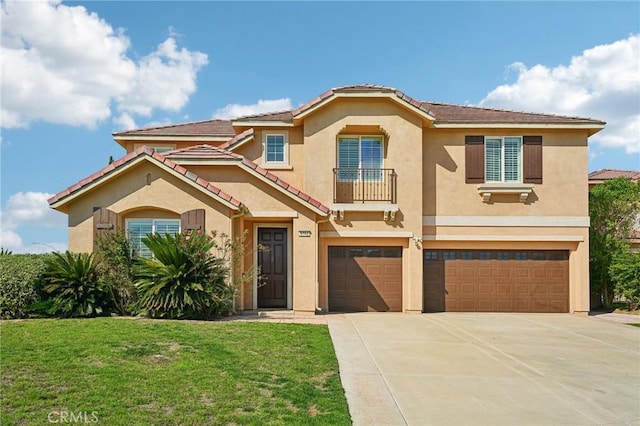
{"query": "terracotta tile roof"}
pixel 442 112
pixel 202 152
pixel 221 128
pixel 606 174
pixel 451 113
pixel 238 139
pixel 285 185
pixel 119 164
pixel 285 116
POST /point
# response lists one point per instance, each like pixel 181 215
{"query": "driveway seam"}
pixel 373 360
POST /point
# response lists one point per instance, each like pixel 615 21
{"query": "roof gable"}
pixel 195 152
pixel 142 154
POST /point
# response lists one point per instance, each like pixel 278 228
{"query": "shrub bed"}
pixel 20 283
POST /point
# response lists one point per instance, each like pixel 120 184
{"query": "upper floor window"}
pixel 507 159
pixel 360 158
pixel 137 229
pixel 503 159
pixel 276 149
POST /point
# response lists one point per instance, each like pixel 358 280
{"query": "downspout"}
pixel 325 220
pixel 243 210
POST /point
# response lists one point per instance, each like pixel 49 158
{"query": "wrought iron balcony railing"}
pixel 362 185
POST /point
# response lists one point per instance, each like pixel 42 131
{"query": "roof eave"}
pixel 593 128
pixel 173 138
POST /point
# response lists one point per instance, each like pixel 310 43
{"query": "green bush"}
pixel 115 269
pixel 73 284
pixel 184 279
pixel 20 282
pixel 625 273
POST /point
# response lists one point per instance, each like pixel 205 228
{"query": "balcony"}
pixel 364 185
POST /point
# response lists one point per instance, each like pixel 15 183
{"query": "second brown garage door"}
pixel 365 279
pixel 496 281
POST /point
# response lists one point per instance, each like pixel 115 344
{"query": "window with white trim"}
pixel 276 149
pixel 503 159
pixel 360 158
pixel 137 229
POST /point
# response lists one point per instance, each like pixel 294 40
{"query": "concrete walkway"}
pixel 487 369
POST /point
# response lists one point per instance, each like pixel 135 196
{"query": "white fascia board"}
pixel 367 234
pixel 520 238
pixel 481 125
pixel 509 221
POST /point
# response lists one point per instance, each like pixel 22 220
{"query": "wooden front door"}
pixel 272 261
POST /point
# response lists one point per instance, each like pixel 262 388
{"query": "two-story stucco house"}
pixel 366 199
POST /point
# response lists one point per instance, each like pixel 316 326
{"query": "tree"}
pixel 625 273
pixel 613 208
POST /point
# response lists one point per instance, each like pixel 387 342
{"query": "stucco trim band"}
pixel 523 238
pixel 508 221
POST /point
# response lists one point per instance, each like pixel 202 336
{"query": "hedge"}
pixel 20 283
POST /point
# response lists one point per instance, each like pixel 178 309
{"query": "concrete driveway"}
pixel 487 369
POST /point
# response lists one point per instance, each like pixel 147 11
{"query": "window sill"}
pixel 486 190
pixel 277 166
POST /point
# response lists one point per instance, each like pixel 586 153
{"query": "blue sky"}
pixel 74 72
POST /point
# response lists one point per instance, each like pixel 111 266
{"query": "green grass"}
pixel 144 372
pixel 635 324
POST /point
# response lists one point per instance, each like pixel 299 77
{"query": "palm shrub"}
pixel 73 285
pixel 184 279
pixel 115 269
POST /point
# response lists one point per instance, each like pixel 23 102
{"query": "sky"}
pixel 72 73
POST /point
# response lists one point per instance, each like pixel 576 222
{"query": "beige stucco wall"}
pixel 562 193
pixel 129 195
pixel 403 144
pixel 294 173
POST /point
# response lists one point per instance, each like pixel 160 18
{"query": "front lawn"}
pixel 123 371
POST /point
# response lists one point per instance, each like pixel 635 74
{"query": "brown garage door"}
pixel 365 279
pixel 496 281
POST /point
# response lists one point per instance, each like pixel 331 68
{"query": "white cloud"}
pixel 603 82
pixel 69 66
pixel 262 106
pixel 28 209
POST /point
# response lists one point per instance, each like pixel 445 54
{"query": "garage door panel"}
pixel 365 279
pixel 505 281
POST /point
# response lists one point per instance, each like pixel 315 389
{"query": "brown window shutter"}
pixel 474 159
pixel 532 159
pixel 104 221
pixel 192 221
